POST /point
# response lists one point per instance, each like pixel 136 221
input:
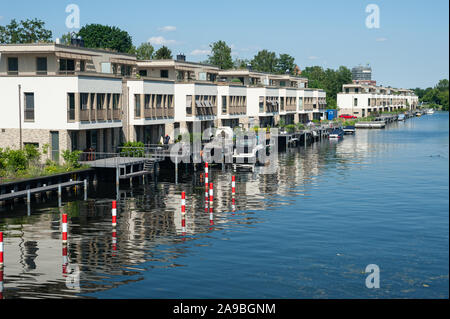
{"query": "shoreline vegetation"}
pixel 20 165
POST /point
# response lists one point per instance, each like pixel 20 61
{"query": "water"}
pixel 309 231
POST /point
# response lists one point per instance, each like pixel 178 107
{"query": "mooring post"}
pixel 305 139
pixel 28 197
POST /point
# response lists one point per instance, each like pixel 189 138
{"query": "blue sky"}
pixel 409 49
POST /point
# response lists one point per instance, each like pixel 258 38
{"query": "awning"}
pixel 123 61
pixel 75 56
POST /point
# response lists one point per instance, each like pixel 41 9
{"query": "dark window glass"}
pixel 143 72
pixel 84 97
pixel 100 100
pixel 41 65
pixel 164 73
pixel 82 66
pixel 13 65
pixel 29 106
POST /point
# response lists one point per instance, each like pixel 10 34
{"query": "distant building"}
pixel 362 73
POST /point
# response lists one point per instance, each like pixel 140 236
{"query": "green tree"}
pixel 163 53
pixel 106 37
pixel 145 51
pixel 221 55
pixel 286 64
pixel 329 80
pixel 265 61
pixel 27 31
pixel 240 63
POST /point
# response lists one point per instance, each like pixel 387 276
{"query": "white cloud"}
pixel 313 57
pixel 381 39
pixel 161 41
pixel 200 52
pixel 167 28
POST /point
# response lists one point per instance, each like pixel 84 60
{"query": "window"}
pixel 82 66
pixel 169 101
pixel 100 100
pixel 13 66
pixel 224 105
pixel 84 97
pixel 158 101
pixel 143 72
pixel 282 103
pixel 164 73
pixel 189 104
pixel 66 65
pixel 261 104
pixel 71 106
pixel 29 106
pixel 355 102
pixel 116 100
pixel 356 90
pixel 41 66
pixel 147 101
pixel 137 105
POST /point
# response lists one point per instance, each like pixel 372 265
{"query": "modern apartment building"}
pixel 77 98
pixel 362 100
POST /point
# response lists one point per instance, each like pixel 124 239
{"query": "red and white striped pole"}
pixel 206 186
pixel 65 259
pixel 1 250
pixel 233 193
pixel 64 228
pixel 183 213
pixel 211 203
pixel 114 213
pixel 114 241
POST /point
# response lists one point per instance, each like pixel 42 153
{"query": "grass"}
pixel 36 171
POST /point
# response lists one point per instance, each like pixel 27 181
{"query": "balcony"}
pixel 87 115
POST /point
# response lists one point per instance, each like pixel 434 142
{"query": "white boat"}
pixel 401 117
pixel 246 153
pixel 430 111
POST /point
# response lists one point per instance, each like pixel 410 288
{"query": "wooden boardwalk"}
pixel 42 189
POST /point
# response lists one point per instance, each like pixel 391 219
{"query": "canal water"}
pixel 308 231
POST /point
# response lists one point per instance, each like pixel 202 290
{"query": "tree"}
pixel 28 31
pixel 286 64
pixel 221 55
pixel 329 80
pixel 145 51
pixel 106 37
pixel 240 63
pixel 163 53
pixel 265 61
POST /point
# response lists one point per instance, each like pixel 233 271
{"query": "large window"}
pixel 189 104
pixel 84 98
pixel 164 73
pixel 71 106
pixel 66 65
pixel 137 105
pixel 13 66
pixel 41 66
pixel 116 101
pixel 100 100
pixel 29 106
pixel 355 102
pixel 224 105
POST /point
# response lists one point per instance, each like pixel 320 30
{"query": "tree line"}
pixel 437 96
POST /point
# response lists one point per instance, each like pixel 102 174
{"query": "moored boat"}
pixel 337 133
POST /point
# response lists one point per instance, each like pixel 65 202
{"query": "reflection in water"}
pixel 152 233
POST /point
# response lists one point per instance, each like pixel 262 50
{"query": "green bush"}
pixel 16 160
pixel 290 128
pixel 300 126
pixel 133 149
pixel 71 158
pixel 32 153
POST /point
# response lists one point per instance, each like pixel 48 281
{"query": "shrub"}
pixel 71 158
pixel 32 153
pixel 16 160
pixel 133 149
pixel 290 128
pixel 300 126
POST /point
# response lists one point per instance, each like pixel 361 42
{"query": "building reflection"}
pixel 148 233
